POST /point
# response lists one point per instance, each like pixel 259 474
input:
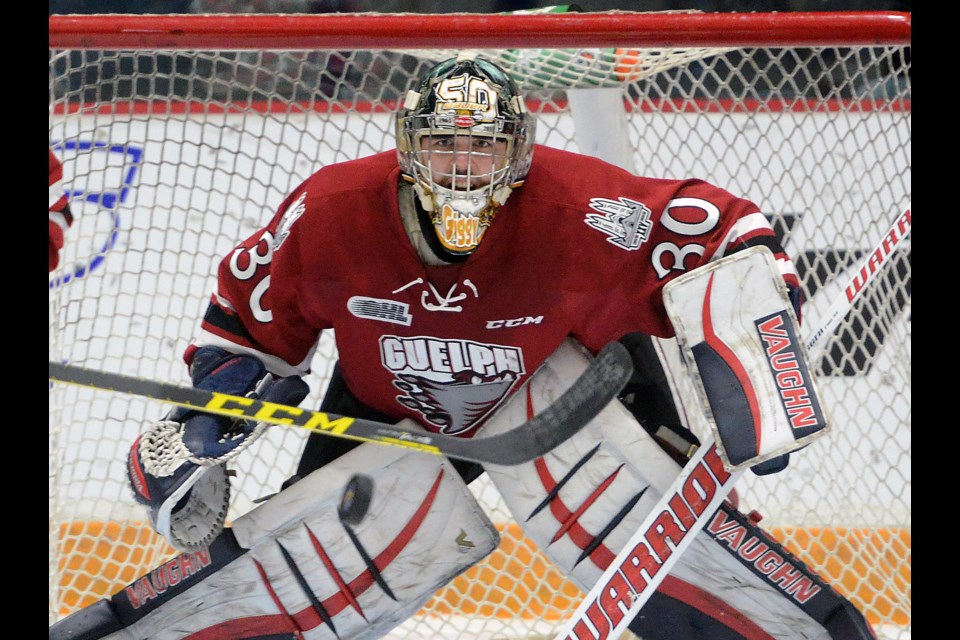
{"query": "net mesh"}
pixel 172 156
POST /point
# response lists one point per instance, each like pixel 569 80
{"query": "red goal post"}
pixel 180 134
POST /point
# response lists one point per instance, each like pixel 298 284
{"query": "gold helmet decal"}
pixel 471 99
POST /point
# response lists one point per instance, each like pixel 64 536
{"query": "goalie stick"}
pixel 600 383
pixel 695 495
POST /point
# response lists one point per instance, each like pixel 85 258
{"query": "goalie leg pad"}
pixel 739 337
pixel 583 502
pixel 737 582
pixel 301 569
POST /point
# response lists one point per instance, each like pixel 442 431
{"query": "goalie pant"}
pixel 583 502
pixel 292 569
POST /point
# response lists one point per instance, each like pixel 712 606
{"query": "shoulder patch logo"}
pixel 626 222
pixel 293 212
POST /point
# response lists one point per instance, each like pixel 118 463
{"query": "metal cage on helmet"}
pixel 466 96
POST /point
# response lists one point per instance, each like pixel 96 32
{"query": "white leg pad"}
pixel 305 572
pixel 610 476
pixel 621 449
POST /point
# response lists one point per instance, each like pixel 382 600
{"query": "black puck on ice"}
pixel 356 499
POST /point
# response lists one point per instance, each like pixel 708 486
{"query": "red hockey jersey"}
pixel 582 249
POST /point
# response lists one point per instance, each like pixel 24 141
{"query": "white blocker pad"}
pixel 739 341
pixel 308 571
pixel 584 501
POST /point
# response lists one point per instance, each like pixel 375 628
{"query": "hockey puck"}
pixel 356 499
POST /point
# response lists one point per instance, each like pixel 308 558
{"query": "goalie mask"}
pixel 465 141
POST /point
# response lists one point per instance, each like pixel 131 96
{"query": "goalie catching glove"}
pixel 177 468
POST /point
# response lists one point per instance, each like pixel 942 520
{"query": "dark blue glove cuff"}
pixel 214 369
pixel 773 465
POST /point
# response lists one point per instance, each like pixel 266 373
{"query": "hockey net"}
pixel 179 139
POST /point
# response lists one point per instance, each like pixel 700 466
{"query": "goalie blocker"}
pixel 739 338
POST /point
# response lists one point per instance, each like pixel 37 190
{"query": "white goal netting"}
pixel 172 153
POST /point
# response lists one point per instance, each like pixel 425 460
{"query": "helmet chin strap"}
pixel 425 196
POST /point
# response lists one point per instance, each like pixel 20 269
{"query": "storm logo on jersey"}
pixel 451 383
pixel 625 221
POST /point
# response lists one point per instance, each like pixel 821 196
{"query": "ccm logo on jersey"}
pixel 790 373
pixel 515 322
